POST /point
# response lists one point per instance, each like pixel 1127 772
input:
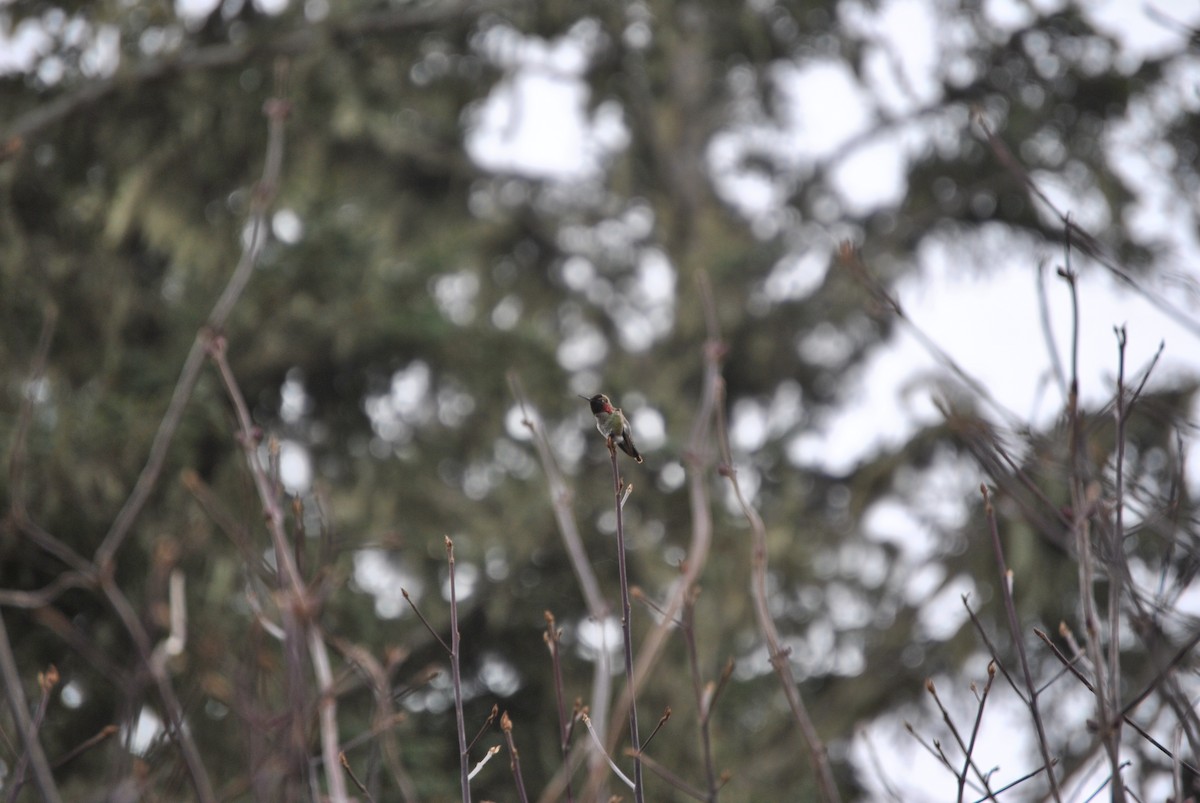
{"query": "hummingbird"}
pixel 613 424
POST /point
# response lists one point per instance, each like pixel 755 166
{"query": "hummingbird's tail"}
pixel 628 448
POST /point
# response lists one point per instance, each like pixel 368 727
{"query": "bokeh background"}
pixel 474 194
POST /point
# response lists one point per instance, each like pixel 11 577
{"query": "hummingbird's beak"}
pixel 585 398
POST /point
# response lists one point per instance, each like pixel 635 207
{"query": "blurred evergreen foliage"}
pixel 404 280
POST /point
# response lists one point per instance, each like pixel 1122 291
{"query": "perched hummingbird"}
pixel 613 424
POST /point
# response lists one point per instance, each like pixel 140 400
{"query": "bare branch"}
pixel 1014 628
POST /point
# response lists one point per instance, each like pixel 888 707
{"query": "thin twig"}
pixel 29 726
pixel 491 751
pixel 514 757
pixel 11 598
pixel 276 110
pixel 1114 779
pixel 18 513
pixel 962 744
pixel 1116 577
pixel 1014 628
pixel 385 718
pixel 705 693
pixel 1048 331
pixel 1014 784
pixel 107 732
pixel 666 715
pixel 1086 242
pixel 487 723
pixel 456 679
pixel 561 497
pixel 766 624
pixel 299 613
pixel 1125 716
pixel 600 747
pixel 125 611
pixel 849 258
pixel 1183 652
pixel 877 764
pixel 1084 499
pixel 939 755
pixel 361 787
pixel 407 598
pixel 967 762
pixel 553 638
pixel 698 460
pixel 673 779
pixel 627 627
pixel 994 652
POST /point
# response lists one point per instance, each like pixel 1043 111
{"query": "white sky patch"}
pixel 753 422
pixel 826 106
pixel 499 676
pixel 1007 14
pixel 72 694
pixel 644 311
pixel 753 192
pixel 1146 163
pixel 943 613
pixel 796 275
pixel 295 467
pixel 146 731
pixel 103 53
pixel 287 226
pixel 21 47
pixel 406 406
pixel 536 122
pixel 583 346
pixel 1072 190
pixel 989 323
pixel 878 412
pixel 194 10
pixel 596 638
pixel 873 175
pixel 747 426
pixel 294 401
pixel 649 429
pixel 890 521
pixel 1140 35
pixel 384 578
pixel 466 581
pixel 33 40
pixel 655 278
pixel 902 66
pixel 455 295
pixel 1004 742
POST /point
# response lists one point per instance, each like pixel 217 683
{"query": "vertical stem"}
pixel 1116 576
pixel 627 631
pixel 456 677
pixel 20 711
pixel 276 110
pixel 826 784
pixel 514 757
pixel 552 636
pixel 171 705
pixel 1014 628
pixel 703 708
pixel 300 608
